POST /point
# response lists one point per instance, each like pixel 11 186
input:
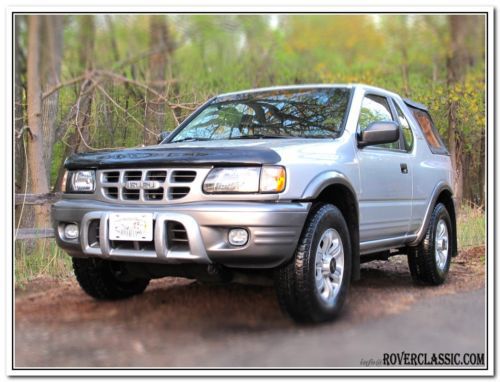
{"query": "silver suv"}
pixel 297 184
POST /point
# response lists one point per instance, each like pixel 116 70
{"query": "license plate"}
pixel 131 226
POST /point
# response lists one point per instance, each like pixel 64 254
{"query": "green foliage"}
pixel 212 54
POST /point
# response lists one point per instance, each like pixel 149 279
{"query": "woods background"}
pixel 89 82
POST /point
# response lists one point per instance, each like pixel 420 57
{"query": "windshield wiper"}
pixel 190 139
pixel 263 136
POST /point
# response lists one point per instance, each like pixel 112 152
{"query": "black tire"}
pixel 422 259
pixel 99 279
pixel 295 281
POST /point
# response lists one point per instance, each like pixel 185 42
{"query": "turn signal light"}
pixel 272 179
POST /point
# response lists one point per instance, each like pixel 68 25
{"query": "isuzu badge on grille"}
pixel 144 184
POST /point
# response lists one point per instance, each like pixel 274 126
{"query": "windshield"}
pixel 307 113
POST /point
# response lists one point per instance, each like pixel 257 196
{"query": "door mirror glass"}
pixel 379 133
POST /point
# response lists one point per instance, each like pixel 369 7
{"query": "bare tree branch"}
pixel 63 84
pixel 123 109
pixel 187 106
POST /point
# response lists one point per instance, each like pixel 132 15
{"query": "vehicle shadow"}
pixel 235 307
pixel 178 304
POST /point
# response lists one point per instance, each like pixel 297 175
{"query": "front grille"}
pixel 133 245
pixel 94 239
pixel 111 192
pixel 177 192
pixel 183 176
pixel 146 185
pixel 154 194
pixel 131 194
pixel 112 176
pixel 177 236
pixel 159 176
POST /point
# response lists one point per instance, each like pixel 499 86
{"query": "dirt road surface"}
pixel 180 323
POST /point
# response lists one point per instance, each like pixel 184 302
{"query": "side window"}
pixel 405 127
pixel 375 109
pixel 430 133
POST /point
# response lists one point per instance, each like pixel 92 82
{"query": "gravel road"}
pixel 180 323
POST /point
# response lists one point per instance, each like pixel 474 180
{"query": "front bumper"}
pixel 274 230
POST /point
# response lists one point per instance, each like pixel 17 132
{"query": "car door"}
pixel 385 198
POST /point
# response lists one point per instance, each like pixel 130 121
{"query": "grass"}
pixel 43 259
pixel 471 227
pixel 47 259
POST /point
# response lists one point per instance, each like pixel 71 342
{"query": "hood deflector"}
pixel 163 156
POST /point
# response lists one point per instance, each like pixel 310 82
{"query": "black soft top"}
pixel 415 105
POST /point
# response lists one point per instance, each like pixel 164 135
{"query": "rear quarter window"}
pixel 429 130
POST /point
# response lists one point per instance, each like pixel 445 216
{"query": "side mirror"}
pixel 163 135
pixel 378 133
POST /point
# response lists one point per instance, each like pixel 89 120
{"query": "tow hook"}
pixel 219 272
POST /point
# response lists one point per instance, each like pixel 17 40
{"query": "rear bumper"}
pixel 274 230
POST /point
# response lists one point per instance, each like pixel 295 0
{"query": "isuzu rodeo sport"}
pixel 297 184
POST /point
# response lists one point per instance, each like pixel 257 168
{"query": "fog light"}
pixel 71 231
pixel 238 236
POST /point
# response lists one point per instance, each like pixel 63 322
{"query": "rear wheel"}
pixel 313 286
pixel 429 262
pixel 106 280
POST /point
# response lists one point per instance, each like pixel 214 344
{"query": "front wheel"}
pixel 313 286
pixel 429 262
pixel 106 280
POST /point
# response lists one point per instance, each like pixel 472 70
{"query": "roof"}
pixel 322 86
pixel 285 87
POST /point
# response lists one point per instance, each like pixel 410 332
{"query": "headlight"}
pixel 268 179
pixel 231 180
pixel 81 181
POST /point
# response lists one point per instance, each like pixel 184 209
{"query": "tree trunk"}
pixel 24 214
pixel 112 35
pixel 435 70
pixel 482 172
pixel 51 54
pixel 154 118
pixel 80 115
pixel 86 57
pixel 405 74
pixel 456 66
pixel 403 47
pixel 403 41
pixel 36 157
pixel 18 113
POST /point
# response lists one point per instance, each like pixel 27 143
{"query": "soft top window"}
pixel 427 126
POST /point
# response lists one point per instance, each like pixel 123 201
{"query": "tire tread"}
pixel 295 292
pixel 97 280
pixel 421 259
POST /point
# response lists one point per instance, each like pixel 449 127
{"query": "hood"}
pixel 182 154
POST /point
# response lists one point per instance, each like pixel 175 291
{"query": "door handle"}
pixel 404 168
